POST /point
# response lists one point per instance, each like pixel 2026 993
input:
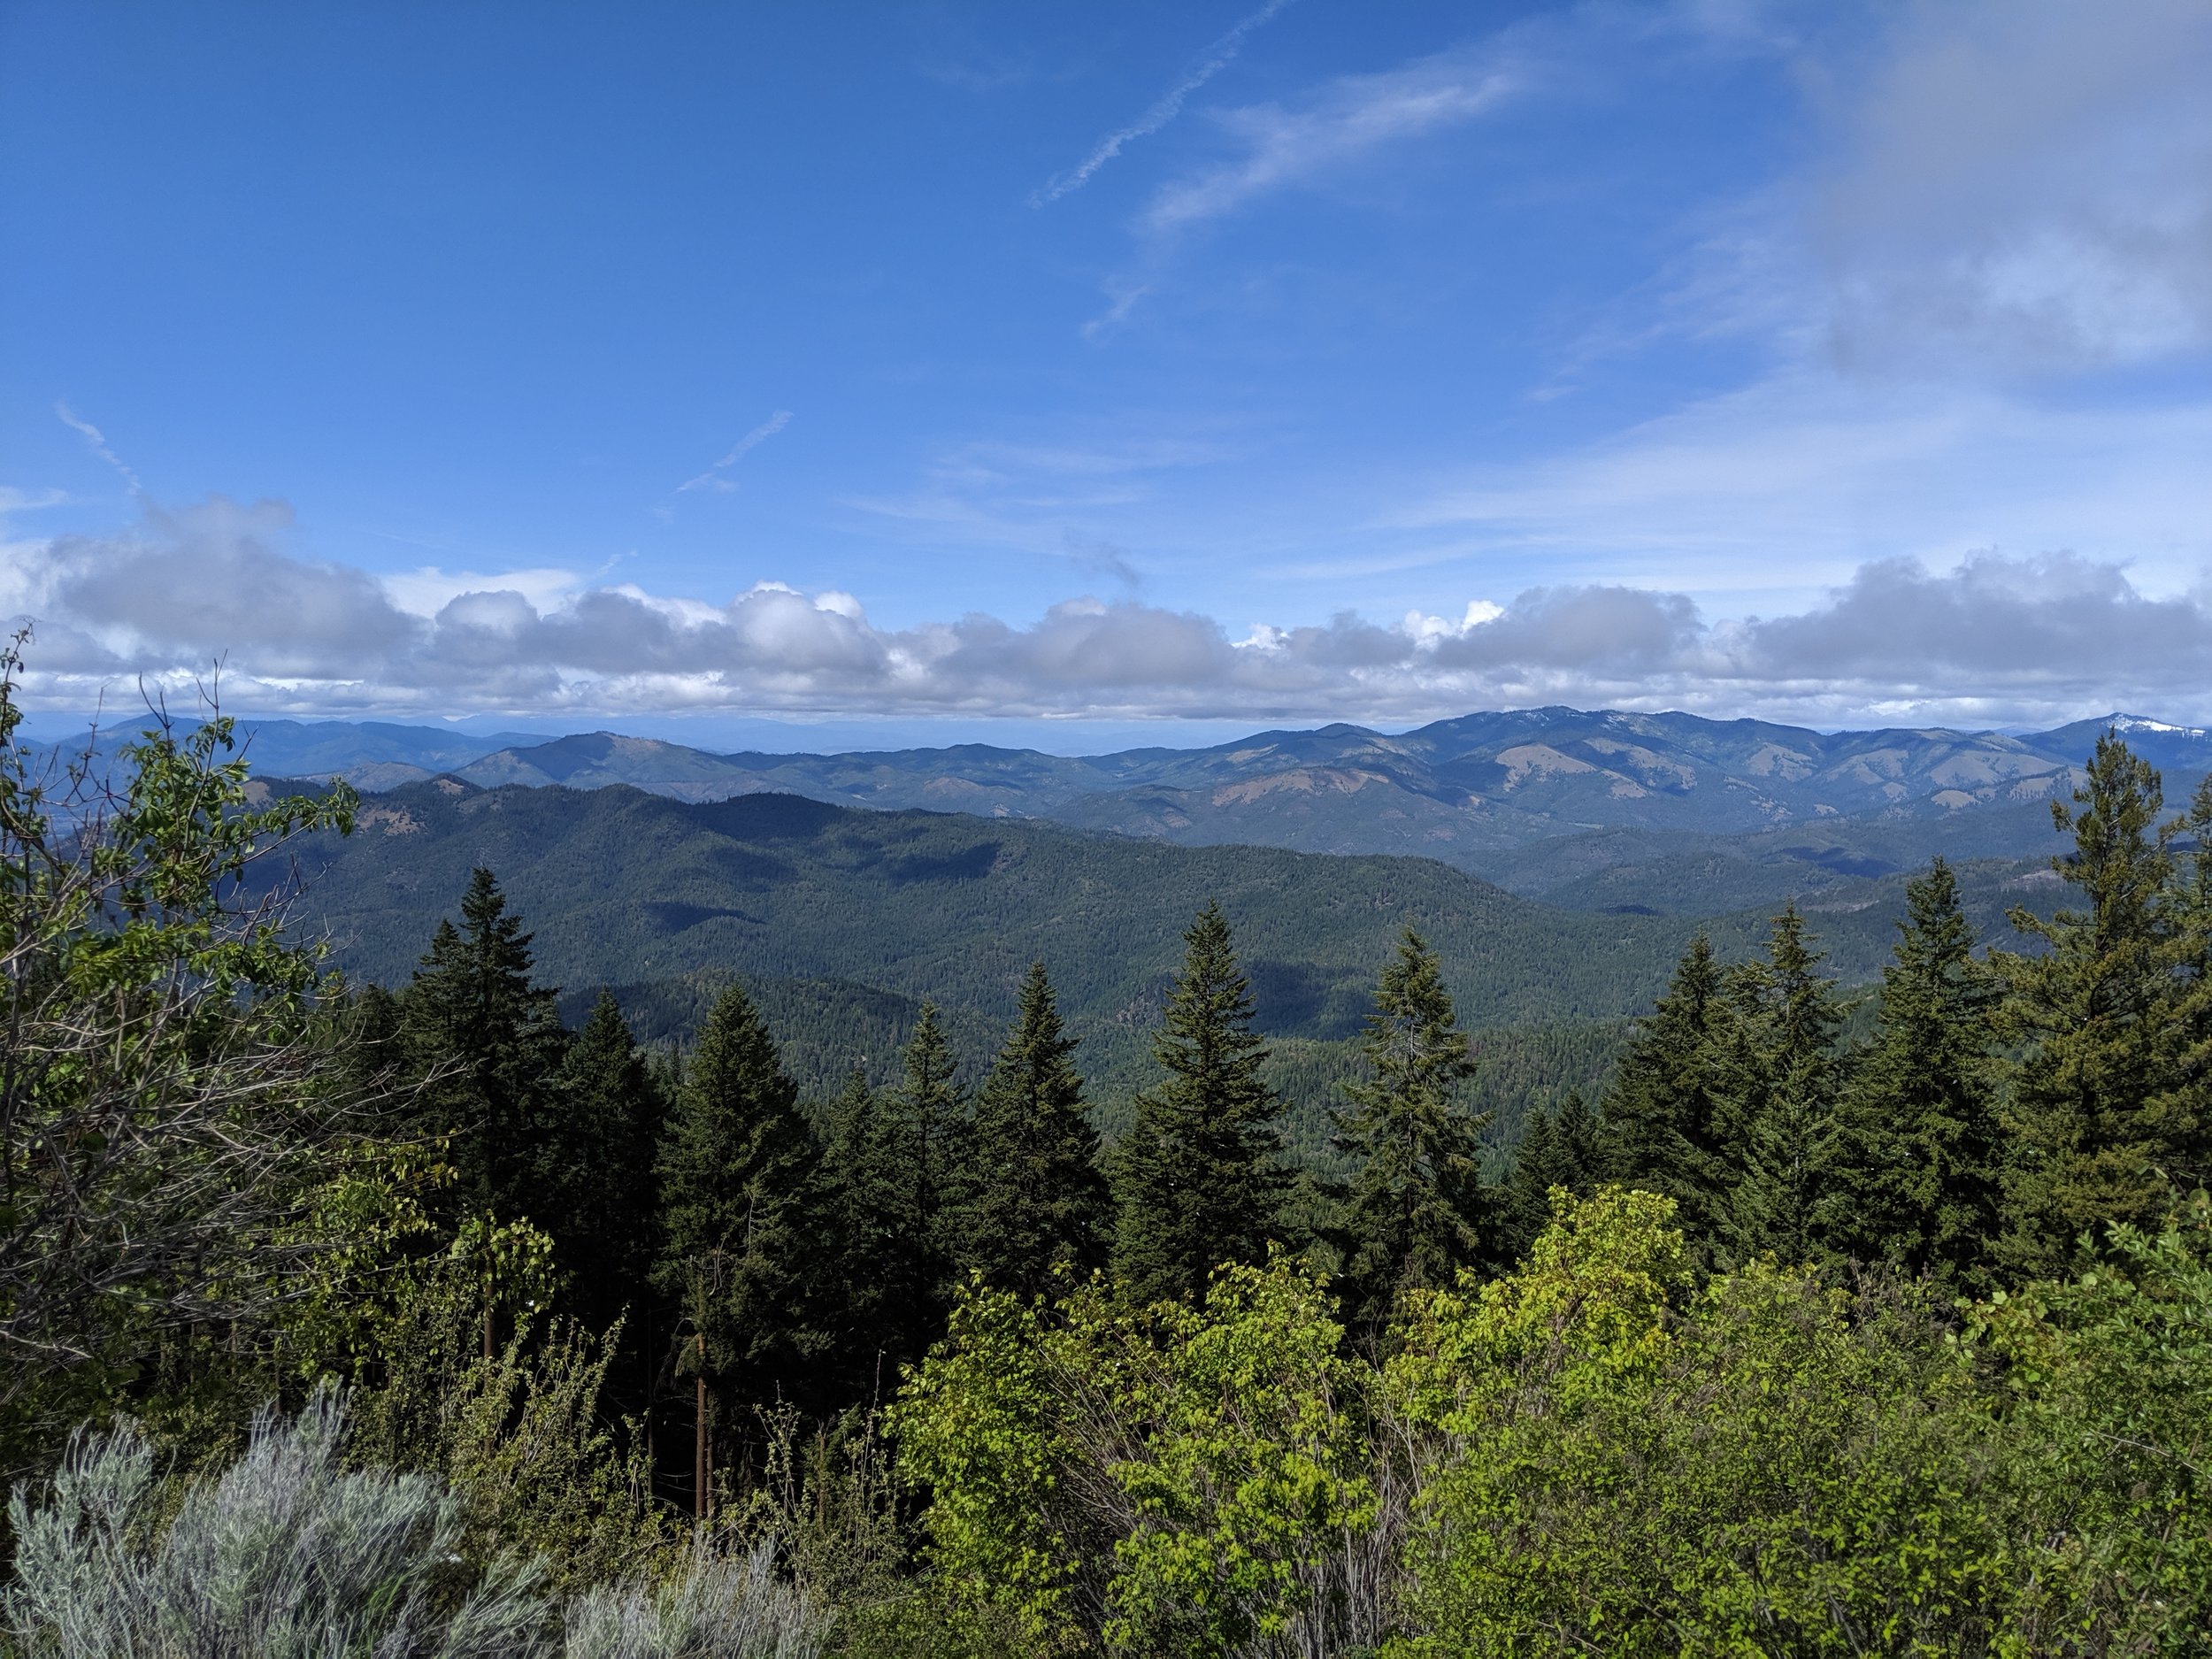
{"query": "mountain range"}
pixel 1586 809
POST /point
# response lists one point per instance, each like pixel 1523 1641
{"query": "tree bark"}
pixel 699 1444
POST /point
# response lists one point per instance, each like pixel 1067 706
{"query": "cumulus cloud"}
pixel 1992 639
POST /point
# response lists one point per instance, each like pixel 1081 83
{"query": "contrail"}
pixel 761 433
pixel 1211 63
pixel 97 440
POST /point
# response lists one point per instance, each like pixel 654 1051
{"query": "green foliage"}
pixel 981 1429
pixel 1610 1462
pixel 1198 1176
pixel 460 1370
pixel 1033 1201
pixel 163 1097
pixel 1245 1453
pixel 1417 1211
pixel 1177 1479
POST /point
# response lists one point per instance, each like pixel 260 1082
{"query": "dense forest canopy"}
pixel 430 1307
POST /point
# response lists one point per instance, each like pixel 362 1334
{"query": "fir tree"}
pixel 1033 1198
pixel 487 1041
pixel 1781 1066
pixel 2187 1092
pixel 1563 1150
pixel 1664 1114
pixel 741 1222
pixel 2099 1119
pixel 925 1133
pixel 885 1282
pixel 1417 1211
pixel 1916 1179
pixel 592 1172
pixel 1200 1179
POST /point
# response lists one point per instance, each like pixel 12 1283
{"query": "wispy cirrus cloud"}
pixel 713 477
pixel 1277 147
pixel 1163 110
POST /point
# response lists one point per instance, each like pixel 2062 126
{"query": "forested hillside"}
pixel 844 922
pixel 441 1315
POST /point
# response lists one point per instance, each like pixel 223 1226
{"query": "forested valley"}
pixel 412 1318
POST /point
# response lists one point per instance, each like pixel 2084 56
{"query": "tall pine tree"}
pixel 741 1222
pixel 1917 1170
pixel 592 1163
pixel 1199 1176
pixel 1781 1065
pixel 1665 1113
pixel 488 1041
pixel 927 1130
pixel 1033 1199
pixel 2097 1118
pixel 1564 1148
pixel 1417 1211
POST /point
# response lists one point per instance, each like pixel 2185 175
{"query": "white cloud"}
pixel 1991 638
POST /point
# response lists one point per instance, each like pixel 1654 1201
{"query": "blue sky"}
pixel 943 368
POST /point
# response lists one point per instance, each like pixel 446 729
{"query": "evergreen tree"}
pixel 1781 1097
pixel 591 1173
pixel 1033 1198
pixel 2187 1092
pixel 886 1283
pixel 1200 1179
pixel 1664 1116
pixel 740 1221
pixel 881 1179
pixel 1916 1176
pixel 2098 1117
pixel 1417 1211
pixel 487 1041
pixel 925 1133
pixel 1563 1150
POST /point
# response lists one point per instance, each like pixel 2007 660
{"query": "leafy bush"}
pixel 1175 1479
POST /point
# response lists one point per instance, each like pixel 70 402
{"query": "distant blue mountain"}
pixel 1543 799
